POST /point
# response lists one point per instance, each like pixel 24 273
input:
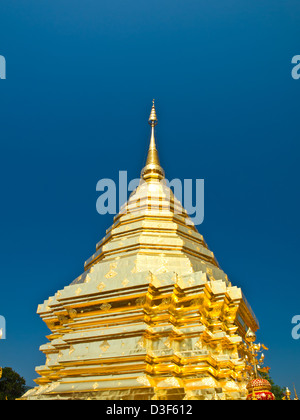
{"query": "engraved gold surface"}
pixel 153 316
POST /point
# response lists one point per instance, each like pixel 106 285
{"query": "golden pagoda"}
pixel 153 316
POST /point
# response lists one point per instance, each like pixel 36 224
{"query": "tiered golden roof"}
pixel 153 316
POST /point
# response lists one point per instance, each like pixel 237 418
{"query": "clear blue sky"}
pixel 81 76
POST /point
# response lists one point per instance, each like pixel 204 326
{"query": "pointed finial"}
pixel 152 170
pixel 253 395
pixel 250 336
pixel 153 117
pixel 296 396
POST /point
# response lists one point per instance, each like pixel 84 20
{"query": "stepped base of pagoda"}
pixel 163 337
pixel 57 391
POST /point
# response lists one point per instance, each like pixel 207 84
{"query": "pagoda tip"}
pixel 153 117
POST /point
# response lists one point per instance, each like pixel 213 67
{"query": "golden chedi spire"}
pixel 152 170
pixel 152 316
